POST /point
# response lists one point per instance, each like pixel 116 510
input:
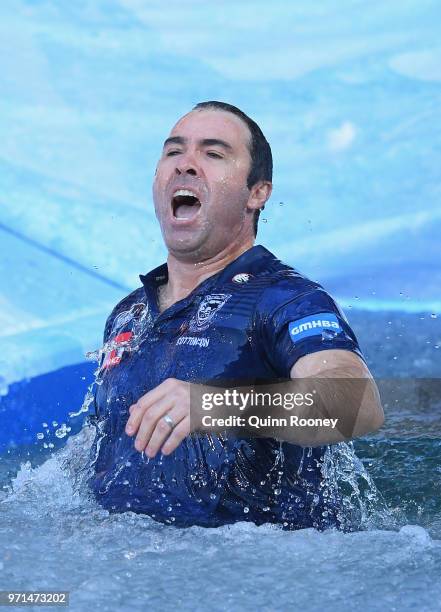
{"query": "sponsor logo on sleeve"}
pixel 323 324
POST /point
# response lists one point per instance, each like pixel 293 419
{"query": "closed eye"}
pixel 212 154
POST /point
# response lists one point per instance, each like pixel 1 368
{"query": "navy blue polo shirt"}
pixel 250 322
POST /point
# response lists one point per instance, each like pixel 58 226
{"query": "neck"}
pixel 184 276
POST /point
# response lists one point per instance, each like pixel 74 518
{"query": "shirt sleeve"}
pixel 297 326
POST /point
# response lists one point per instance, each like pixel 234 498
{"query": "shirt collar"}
pixel 252 261
pixel 154 278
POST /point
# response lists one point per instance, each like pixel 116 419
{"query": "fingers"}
pixel 145 402
pixel 164 434
pixel 154 426
pixel 153 433
pixel 180 432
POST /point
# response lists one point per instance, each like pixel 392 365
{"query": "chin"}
pixel 189 245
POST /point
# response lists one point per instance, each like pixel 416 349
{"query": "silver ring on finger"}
pixel 169 421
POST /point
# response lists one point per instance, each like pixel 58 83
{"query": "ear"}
pixel 259 194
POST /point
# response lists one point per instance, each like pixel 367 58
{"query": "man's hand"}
pixel 153 433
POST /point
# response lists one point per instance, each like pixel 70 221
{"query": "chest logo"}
pixel 128 330
pixel 243 277
pixel 135 314
pixel 206 311
pixel 118 346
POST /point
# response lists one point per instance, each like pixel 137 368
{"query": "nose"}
pixel 186 165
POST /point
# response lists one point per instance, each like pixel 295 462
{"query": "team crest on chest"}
pixel 206 311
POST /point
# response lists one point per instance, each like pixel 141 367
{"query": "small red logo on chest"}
pixel 115 355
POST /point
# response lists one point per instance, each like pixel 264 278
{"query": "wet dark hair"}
pixel 260 150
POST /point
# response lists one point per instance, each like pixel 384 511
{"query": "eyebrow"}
pixel 205 142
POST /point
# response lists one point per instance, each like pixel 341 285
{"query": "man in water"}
pixel 220 309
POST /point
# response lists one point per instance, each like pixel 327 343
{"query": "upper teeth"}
pixel 184 192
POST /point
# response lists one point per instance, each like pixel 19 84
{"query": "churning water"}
pixel 54 536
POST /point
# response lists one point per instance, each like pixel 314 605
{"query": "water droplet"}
pixel 264 220
pixel 266 508
pixel 433 316
pixel 212 496
pixel 40 436
pixel 277 491
pixel 62 431
pixel 328 334
pixel 246 510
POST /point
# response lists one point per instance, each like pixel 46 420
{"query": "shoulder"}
pixel 292 299
pixel 289 288
pixel 123 310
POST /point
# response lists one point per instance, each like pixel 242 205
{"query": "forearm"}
pixel 340 404
pixel 346 405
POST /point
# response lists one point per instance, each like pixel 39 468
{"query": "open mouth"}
pixel 185 204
